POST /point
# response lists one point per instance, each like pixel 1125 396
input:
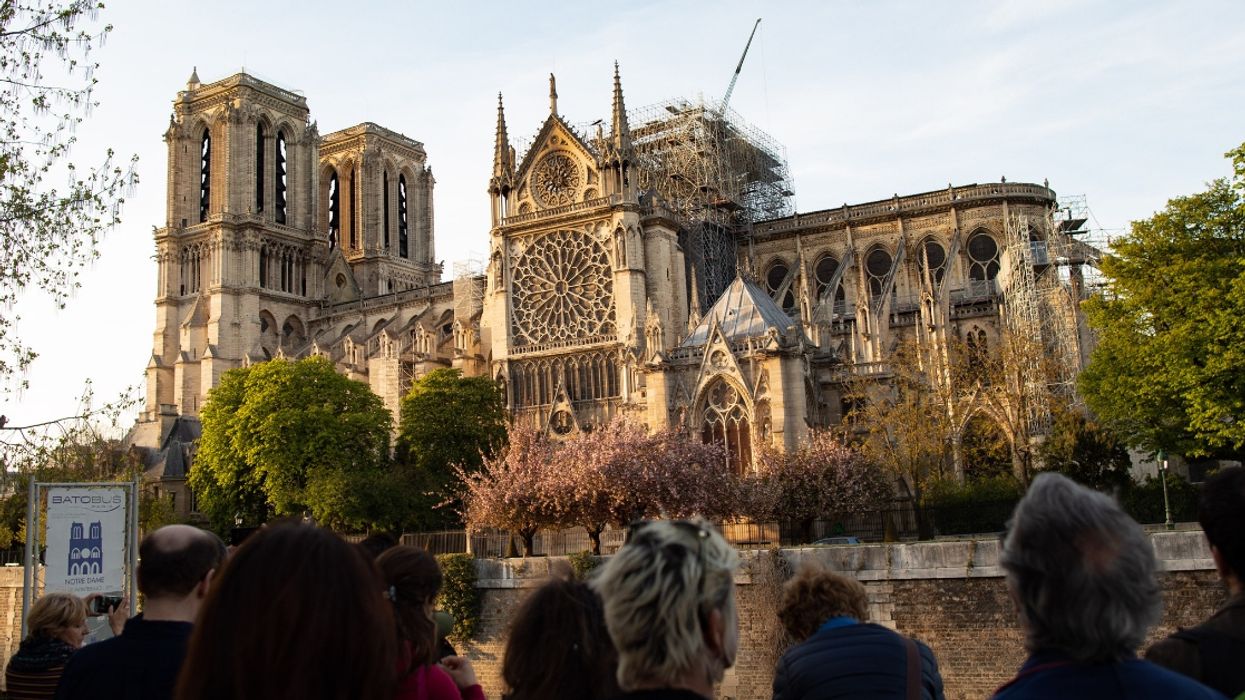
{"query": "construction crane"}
pixel 731 88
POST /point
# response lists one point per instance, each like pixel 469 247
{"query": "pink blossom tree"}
pixel 512 490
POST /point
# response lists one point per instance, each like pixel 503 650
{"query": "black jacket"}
pixel 858 661
pixel 139 664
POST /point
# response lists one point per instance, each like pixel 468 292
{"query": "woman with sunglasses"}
pixel 669 597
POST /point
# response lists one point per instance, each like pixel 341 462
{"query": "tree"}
pixel 47 234
pixel 293 437
pixel 821 479
pixel 1168 372
pixel 447 420
pixel 511 490
pixel 1082 449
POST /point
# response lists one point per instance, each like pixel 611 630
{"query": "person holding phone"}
pixel 175 571
pixel 57 627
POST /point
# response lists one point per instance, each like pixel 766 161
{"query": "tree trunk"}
pixel 529 542
pixel 594 536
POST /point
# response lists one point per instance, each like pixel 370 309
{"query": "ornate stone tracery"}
pixel 555 180
pixel 562 290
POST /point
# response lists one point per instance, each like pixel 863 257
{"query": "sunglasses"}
pixel 697 532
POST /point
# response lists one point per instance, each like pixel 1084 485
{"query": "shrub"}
pixel 460 596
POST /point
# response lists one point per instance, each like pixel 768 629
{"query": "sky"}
pixel 1127 103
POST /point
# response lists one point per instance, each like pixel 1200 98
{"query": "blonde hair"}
pixel 658 591
pixel 55 612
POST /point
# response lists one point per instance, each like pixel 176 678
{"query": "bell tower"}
pixel 239 259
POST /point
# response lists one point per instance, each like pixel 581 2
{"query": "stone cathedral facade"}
pixel 653 268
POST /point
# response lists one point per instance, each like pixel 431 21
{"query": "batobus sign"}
pixel 86 535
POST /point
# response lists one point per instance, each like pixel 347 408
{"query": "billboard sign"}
pixel 86 538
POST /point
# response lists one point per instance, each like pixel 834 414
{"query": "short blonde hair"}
pixel 658 591
pixel 817 594
pixel 55 612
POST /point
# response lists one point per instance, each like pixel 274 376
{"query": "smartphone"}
pixel 105 603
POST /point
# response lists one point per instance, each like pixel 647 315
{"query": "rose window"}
pixel 562 290
pixel 555 181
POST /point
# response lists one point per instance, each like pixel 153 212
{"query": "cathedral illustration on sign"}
pixel 650 264
pixel 85 553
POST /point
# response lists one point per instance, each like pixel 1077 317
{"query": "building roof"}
pixel 743 311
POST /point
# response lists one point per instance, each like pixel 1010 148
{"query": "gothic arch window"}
pixel 983 255
pixel 354 220
pixel 335 211
pixel 935 256
pixel 385 189
pixel 978 348
pixel 259 167
pixel 823 275
pixel 775 275
pixel 403 231
pixel 724 421
pixel 281 178
pixel 877 267
pixel 205 174
pixel 263 266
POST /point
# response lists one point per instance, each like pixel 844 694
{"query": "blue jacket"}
pixel 1055 675
pixel 853 661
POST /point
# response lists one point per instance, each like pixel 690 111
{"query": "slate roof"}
pixel 744 310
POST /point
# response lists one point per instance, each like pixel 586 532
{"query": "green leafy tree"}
pixel 1084 450
pixel 285 438
pixel 47 233
pixel 1168 372
pixel 447 421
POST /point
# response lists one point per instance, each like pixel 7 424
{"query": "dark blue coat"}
pixel 142 662
pixel 1055 675
pixel 858 661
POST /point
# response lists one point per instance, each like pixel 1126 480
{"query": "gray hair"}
pixel 1082 572
pixel 658 591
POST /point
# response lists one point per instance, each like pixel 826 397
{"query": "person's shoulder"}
pixel 1168 681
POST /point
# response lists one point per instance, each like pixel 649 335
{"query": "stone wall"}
pixel 950 595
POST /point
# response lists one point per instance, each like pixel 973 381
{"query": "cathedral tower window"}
pixel 259 167
pixel 403 237
pixel 774 277
pixel 385 188
pixel 877 266
pixel 724 421
pixel 263 267
pixel 205 175
pixel 354 220
pixel 280 179
pixel 983 252
pixel 823 275
pixel 335 220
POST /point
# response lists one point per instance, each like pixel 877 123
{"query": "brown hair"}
pixel 53 613
pixel 559 646
pixel 816 595
pixel 413 578
pixel 296 612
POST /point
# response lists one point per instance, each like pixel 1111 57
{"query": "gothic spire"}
pixel 553 95
pixel 503 167
pixel 193 83
pixel 621 135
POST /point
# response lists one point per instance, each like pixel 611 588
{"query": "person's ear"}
pixel 715 633
pixel 205 583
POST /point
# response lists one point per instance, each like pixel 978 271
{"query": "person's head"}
pixel 815 595
pixel 559 647
pixel 1221 512
pixel 375 544
pixel 177 562
pixel 669 597
pixel 1081 571
pixel 58 616
pixel 413 579
pixel 296 612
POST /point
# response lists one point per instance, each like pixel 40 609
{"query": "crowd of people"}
pixel 297 612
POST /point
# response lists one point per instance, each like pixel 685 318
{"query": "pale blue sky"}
pixel 1129 103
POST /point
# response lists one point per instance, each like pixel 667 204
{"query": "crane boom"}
pixel 731 88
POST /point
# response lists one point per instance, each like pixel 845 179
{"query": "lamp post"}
pixel 1167 508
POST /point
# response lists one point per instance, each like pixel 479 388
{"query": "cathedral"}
pixel 649 264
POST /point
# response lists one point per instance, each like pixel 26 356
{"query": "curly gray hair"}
pixel 658 591
pixel 1082 572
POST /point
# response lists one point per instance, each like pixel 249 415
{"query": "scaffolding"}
pixel 717 173
pixel 468 288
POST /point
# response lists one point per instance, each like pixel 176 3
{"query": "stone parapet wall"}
pixel 949 594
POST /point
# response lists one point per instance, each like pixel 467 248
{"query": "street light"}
pixel 1167 508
